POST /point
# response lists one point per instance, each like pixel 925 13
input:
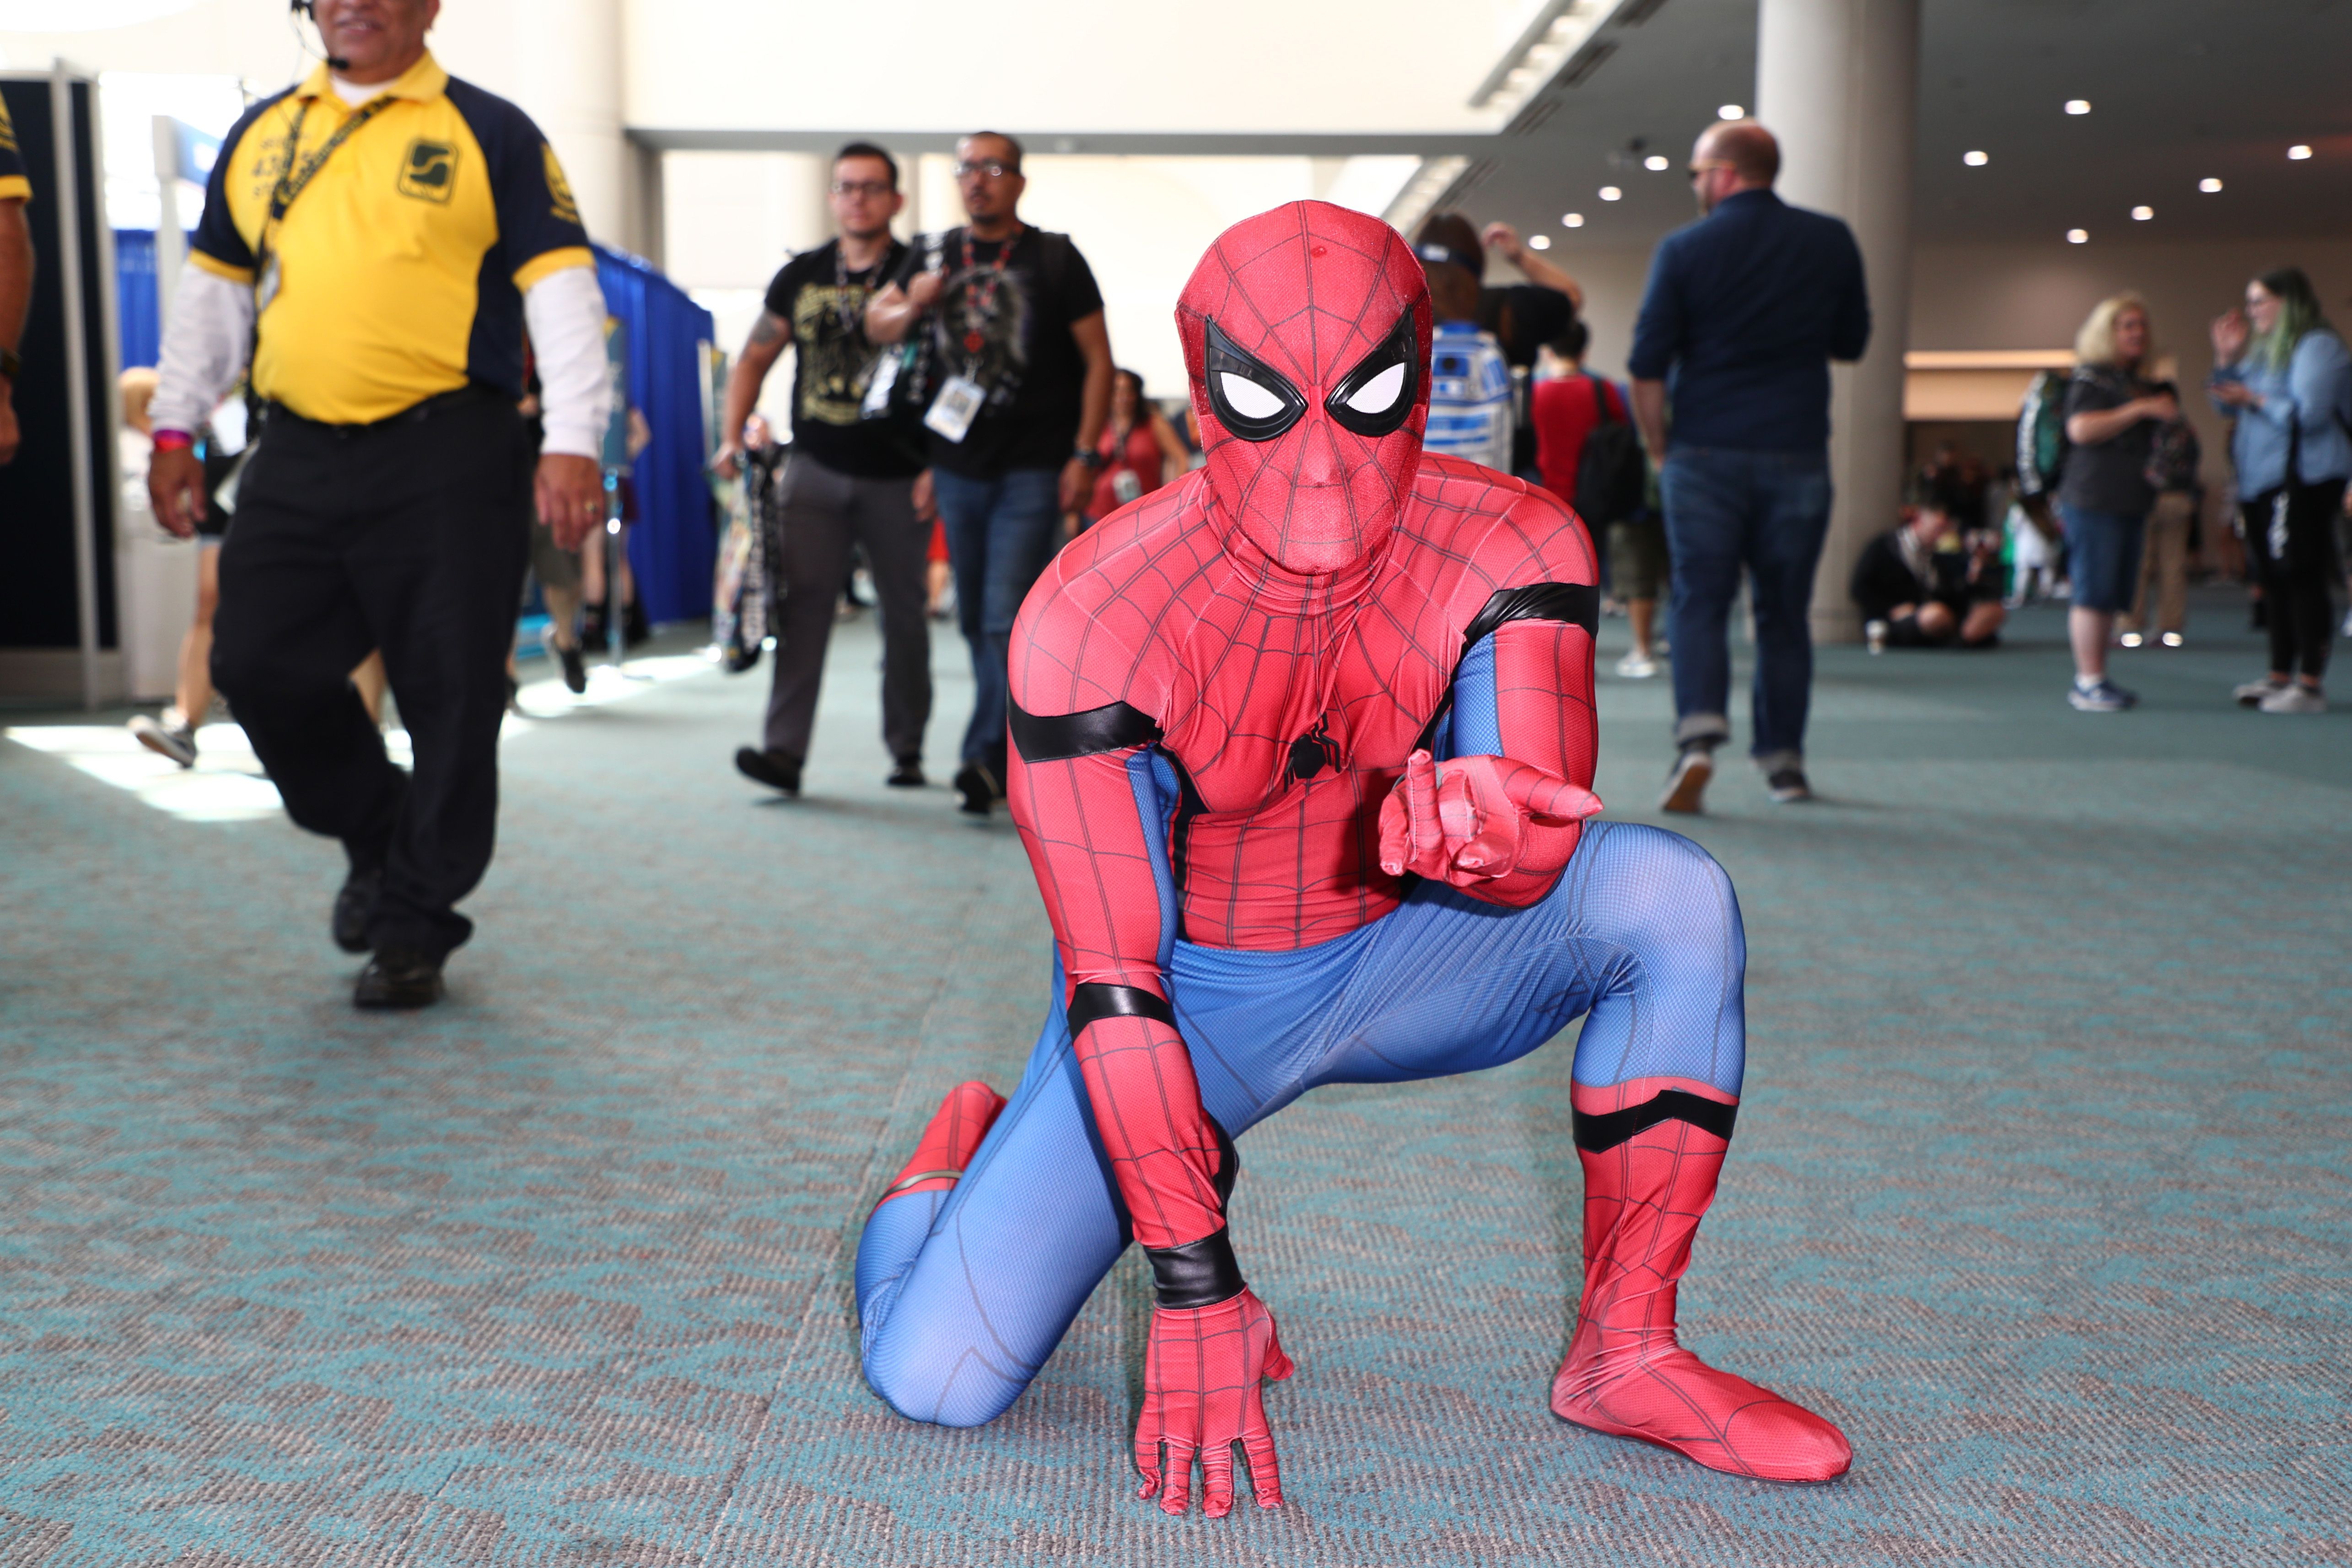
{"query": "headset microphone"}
pixel 310 8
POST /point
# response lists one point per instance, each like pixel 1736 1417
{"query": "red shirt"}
pixel 1565 411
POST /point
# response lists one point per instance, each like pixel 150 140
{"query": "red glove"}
pixel 1201 1378
pixel 1497 828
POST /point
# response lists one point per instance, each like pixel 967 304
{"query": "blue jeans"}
pixel 2103 557
pixel 963 1294
pixel 1766 512
pixel 1000 536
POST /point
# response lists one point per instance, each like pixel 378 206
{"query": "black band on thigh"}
pixel 1576 603
pixel 1094 1000
pixel 1598 1134
pixel 1112 727
pixel 1198 1274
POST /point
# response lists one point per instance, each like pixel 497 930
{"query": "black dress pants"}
pixel 410 536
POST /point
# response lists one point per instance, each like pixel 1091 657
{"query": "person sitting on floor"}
pixel 1919 585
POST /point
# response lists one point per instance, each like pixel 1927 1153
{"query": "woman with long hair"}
pixel 2113 412
pixel 2285 375
pixel 1139 450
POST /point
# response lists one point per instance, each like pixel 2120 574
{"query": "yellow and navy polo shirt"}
pixel 14 186
pixel 400 268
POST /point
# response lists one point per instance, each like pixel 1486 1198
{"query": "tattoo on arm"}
pixel 770 329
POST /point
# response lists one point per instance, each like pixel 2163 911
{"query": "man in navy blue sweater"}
pixel 1744 311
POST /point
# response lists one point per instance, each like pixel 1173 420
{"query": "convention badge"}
pixel 265 289
pixel 957 405
pixel 882 377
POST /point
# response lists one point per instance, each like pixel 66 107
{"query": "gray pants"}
pixel 820 514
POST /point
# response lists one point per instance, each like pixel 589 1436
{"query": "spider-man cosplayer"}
pixel 1300 749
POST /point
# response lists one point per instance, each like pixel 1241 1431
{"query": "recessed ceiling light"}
pixel 1976 160
pixel 2209 186
pixel 2142 214
pixel 2298 152
pixel 1655 162
pixel 2078 106
pixel 2078 236
pixel 1731 111
pixel 1571 220
pixel 1610 193
pixel 1538 242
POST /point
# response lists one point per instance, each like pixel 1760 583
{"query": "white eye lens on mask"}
pixel 1248 399
pixel 1378 394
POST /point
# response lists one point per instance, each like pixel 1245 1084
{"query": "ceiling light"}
pixel 1731 111
pixel 2141 215
pixel 2078 236
pixel 1571 220
pixel 1655 162
pixel 1610 193
pixel 1538 242
pixel 2078 106
pixel 1976 160
pixel 2298 152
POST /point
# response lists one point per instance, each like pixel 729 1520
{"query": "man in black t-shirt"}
pixel 1013 368
pixel 849 479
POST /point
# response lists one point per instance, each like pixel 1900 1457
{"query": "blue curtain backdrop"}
pixel 674 547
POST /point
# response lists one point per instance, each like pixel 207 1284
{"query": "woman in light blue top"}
pixel 2283 373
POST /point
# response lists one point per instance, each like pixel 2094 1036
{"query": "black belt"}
pixel 414 414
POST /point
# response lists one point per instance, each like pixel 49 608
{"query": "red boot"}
pixel 1652 1149
pixel 949 1141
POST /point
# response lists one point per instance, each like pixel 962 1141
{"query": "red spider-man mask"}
pixel 1307 335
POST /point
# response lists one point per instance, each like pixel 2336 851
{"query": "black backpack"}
pixel 1611 474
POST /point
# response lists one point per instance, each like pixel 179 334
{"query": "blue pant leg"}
pixel 1784 552
pixel 1021 528
pixel 966 507
pixel 1704 493
pixel 1642 935
pixel 962 1296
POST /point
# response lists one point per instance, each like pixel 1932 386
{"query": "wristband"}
pixel 174 441
pixel 1091 458
pixel 1198 1274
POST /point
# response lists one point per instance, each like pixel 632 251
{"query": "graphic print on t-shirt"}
pixel 982 326
pixel 835 358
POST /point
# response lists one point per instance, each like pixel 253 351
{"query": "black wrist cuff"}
pixel 1198 1274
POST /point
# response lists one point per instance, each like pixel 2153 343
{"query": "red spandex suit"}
pixel 1301 754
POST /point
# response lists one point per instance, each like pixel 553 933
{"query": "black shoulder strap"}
pixel 1051 738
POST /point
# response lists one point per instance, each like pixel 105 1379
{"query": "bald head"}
pixel 1753 153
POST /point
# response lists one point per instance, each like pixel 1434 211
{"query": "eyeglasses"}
pixel 1704 164
pixel 992 169
pixel 863 187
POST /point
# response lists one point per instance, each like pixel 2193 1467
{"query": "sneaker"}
pixel 1687 783
pixel 1637 666
pixel 576 667
pixel 2293 698
pixel 2101 696
pixel 400 978
pixel 907 773
pixel 1788 786
pixel 777 770
pixel 2252 693
pixel 176 742
pixel 2131 639
pixel 979 788
pixel 2171 639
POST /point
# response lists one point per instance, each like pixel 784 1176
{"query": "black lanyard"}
pixel 290 183
pixel 851 317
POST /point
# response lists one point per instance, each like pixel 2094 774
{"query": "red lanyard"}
pixel 977 310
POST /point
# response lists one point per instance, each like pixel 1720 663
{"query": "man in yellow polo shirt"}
pixel 391 232
pixel 15 275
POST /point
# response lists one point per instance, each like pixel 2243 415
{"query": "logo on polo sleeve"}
pixel 559 189
pixel 429 171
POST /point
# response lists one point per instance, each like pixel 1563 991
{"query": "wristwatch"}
pixel 1089 455
pixel 11 366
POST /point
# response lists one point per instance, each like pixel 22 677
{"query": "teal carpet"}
pixel 2040 1186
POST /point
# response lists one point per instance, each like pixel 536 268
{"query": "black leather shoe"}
pixel 399 977
pixel 575 670
pixel 907 774
pixel 978 788
pixel 355 909
pixel 777 770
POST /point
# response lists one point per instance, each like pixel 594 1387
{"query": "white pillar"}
pixel 1837 81
pixel 570 83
